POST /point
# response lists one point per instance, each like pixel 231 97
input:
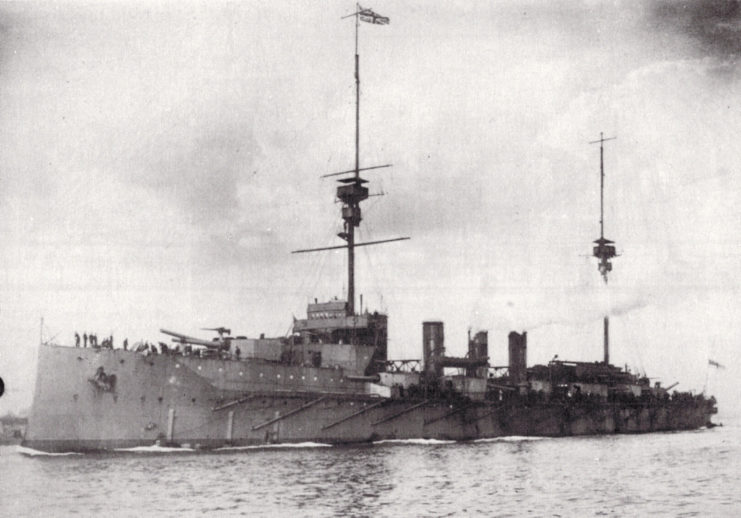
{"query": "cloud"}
pixel 714 24
pixel 198 161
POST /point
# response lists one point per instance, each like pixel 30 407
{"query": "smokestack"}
pixel 478 348
pixel 518 357
pixel 433 347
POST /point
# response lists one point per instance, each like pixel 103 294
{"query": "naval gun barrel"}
pixel 184 339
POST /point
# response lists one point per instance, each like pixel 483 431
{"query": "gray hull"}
pixel 210 403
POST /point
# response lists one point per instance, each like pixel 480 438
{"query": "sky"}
pixel 160 161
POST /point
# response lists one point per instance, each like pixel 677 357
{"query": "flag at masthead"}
pixel 367 15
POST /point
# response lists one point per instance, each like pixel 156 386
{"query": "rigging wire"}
pixel 371 270
pixel 318 273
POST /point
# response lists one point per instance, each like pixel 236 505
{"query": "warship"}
pixel 330 381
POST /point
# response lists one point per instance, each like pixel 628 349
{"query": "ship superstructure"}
pixel 330 379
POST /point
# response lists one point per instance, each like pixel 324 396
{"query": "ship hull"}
pixel 168 400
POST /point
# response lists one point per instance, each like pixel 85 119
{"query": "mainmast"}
pixel 352 191
pixel 605 249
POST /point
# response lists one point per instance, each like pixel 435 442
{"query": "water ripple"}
pixel 673 474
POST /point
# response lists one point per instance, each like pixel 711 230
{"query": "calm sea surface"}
pixel 664 474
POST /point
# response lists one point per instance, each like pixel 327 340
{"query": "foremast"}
pixel 351 191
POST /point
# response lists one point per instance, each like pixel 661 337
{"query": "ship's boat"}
pixel 330 381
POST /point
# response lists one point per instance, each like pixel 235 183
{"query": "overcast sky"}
pixel 159 161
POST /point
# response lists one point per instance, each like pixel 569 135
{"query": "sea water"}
pixel 694 473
